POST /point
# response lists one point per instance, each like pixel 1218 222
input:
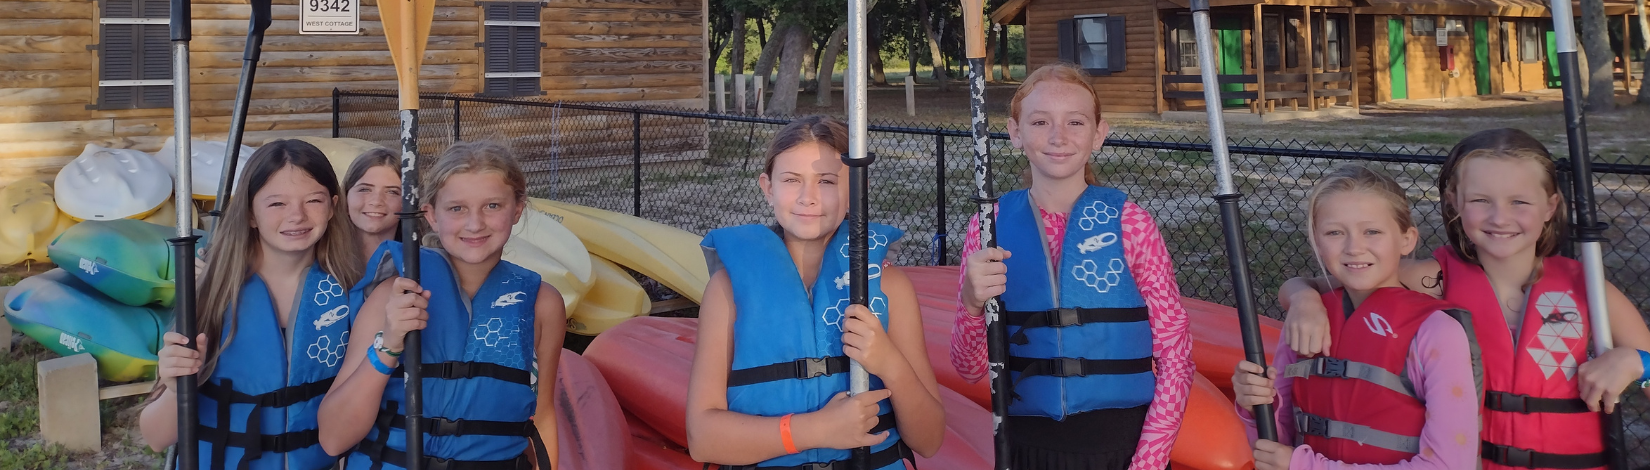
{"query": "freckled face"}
pixel 291 211
pixel 1058 129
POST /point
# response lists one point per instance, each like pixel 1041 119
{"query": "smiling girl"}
pixel 372 188
pixel 769 382
pixel 272 312
pixel 1398 388
pixel 1099 352
pixel 486 322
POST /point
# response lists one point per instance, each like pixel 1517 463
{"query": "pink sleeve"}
pixel 1283 403
pixel 1441 368
pixel 1153 272
pixel 968 331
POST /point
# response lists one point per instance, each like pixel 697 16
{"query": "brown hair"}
pixel 368 160
pixel 1060 72
pixel 1509 144
pixel 235 246
pixel 825 130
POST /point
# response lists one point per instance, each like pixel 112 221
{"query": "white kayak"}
pixel 206 169
pixel 107 184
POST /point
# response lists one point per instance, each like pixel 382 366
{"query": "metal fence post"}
pixel 939 200
pixel 335 112
pixel 456 119
pixel 636 165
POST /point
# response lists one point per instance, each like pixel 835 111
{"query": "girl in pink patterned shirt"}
pixel 1099 345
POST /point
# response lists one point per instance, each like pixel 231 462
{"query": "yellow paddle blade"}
pixel 407 28
pixel 974 27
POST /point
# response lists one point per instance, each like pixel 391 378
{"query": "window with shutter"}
pixel 134 55
pixel 1094 43
pixel 511 48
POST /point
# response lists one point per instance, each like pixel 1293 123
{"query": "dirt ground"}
pixel 1411 123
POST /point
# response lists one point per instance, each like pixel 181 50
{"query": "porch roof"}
pixel 1518 8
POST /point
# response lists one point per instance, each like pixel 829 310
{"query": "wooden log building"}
pixel 74 72
pixel 1305 55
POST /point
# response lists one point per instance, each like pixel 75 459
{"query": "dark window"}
pixel 134 55
pixel 1506 31
pixel 1272 30
pixel 1423 25
pixel 1332 39
pixel 1094 43
pixel 1529 41
pixel 511 48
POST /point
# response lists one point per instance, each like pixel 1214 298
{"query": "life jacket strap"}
pixel 882 458
pixel 379 452
pixel 1516 403
pixel 1337 368
pixel 466 427
pixel 470 370
pixel 1076 367
pixel 256 444
pixel 1314 425
pixel 805 368
pixel 279 398
pixel 1064 317
pixel 1525 458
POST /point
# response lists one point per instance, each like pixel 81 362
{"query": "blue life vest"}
pixel 257 410
pixel 1079 339
pixel 477 354
pixel 787 348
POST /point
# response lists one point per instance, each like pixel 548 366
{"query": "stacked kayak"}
pixel 29 220
pixel 340 151
pixel 108 184
pixel 591 430
pixel 206 164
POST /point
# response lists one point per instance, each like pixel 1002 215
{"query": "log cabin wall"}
pixel 626 51
pixel 1132 91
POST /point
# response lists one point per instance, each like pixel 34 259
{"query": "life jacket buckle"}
pixel 812 367
pixel 1064 317
pixel 1507 402
pixel 1067 367
pixel 1513 456
pixel 434 463
pixel 444 427
pixel 1331 367
pixel 1313 425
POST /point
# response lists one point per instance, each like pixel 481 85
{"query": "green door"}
pixel 1398 64
pixel 1552 60
pixel 1229 32
pixel 1481 54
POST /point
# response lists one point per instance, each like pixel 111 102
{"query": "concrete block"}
pixel 68 402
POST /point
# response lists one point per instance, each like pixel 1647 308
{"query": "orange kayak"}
pixel 591 430
pixel 647 361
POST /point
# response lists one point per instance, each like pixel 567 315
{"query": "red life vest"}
pixel 1356 405
pixel 1533 417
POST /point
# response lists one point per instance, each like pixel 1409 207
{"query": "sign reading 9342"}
pixel 329 17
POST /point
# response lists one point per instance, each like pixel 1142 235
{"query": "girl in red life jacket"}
pixel 1085 280
pixel 1397 389
pixel 1504 216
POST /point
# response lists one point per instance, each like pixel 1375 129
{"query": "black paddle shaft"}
pixel 859 292
pixel 261 18
pixel 411 354
pixel 183 249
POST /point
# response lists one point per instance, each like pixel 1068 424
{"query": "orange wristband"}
pixel 785 434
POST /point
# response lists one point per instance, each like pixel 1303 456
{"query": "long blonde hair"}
pixel 1360 179
pixel 236 246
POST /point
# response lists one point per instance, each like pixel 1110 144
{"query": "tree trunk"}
pixel 787 83
pixel 765 60
pixel 933 45
pixel 878 75
pixel 761 33
pixel 736 56
pixel 1644 32
pixel 1595 39
pixel 810 60
pixel 827 65
pixel 990 56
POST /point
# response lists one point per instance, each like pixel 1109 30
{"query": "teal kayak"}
pixel 70 317
pixel 128 260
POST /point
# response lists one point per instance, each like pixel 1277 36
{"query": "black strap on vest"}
pixel 882 458
pixel 380 453
pixel 470 370
pixel 253 443
pixel 1526 458
pixel 1064 317
pixel 1075 367
pixel 805 368
pixel 1525 404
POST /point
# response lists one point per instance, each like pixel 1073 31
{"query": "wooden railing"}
pixel 1317 89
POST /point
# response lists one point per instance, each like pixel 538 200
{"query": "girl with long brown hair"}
pixel 274 314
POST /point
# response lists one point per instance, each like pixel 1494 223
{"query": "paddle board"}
pixel 614 298
pixel 647 252
pixel 107 184
pixel 69 317
pixel 542 245
pixel 29 220
pixel 206 164
pixel 341 151
pixel 591 432
pixel 127 260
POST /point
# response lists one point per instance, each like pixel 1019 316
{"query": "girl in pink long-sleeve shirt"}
pixel 1398 389
pixel 1056 121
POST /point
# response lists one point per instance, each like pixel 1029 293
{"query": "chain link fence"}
pixel 698 171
